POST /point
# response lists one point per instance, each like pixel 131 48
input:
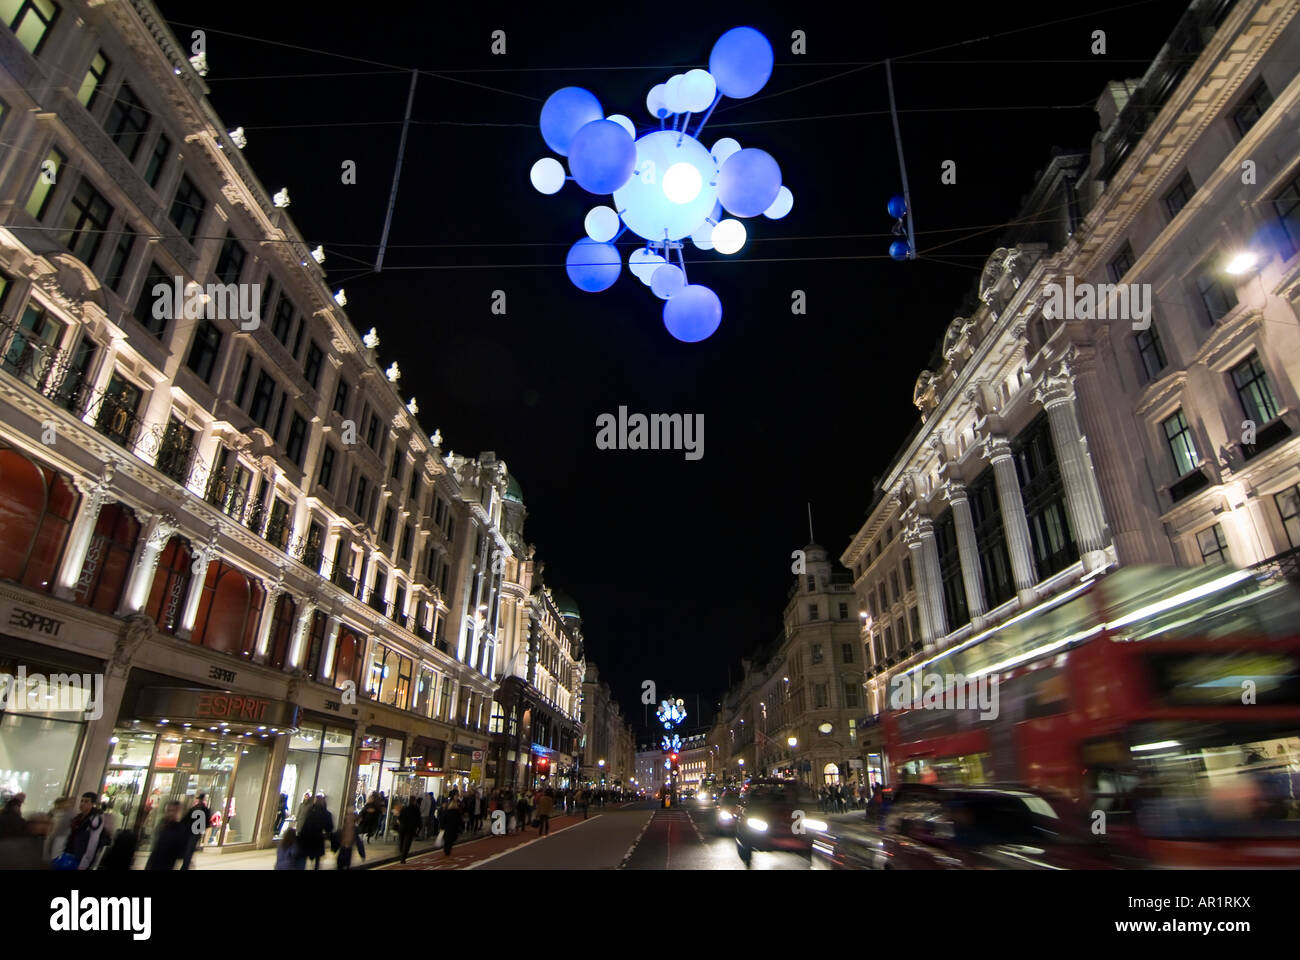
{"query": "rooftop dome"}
pixel 513 490
pixel 566 605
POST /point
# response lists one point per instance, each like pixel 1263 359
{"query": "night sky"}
pixel 679 567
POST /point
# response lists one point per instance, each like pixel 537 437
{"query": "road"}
pixel 632 836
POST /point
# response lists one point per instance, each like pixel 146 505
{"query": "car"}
pixel 720 816
pixel 777 815
pixel 985 827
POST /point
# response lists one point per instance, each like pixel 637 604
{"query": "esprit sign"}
pixel 223 706
pixel 179 704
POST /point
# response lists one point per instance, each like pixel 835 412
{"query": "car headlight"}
pixel 815 824
pixel 725 816
pixel 756 824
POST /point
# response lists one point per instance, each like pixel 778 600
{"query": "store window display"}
pixel 316 762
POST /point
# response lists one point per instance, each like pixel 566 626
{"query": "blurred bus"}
pixel 1165 702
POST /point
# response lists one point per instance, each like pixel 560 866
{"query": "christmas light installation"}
pixel 671 713
pixel 672 743
pixel 665 184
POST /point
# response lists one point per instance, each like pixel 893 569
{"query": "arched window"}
pixel 228 611
pixel 348 651
pixel 831 772
pixel 171 584
pixel 108 560
pixel 36 510
pixel 282 630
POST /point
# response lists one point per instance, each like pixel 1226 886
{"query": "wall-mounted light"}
pixel 1241 262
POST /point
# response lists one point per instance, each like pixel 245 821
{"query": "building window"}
pixel 108 560
pixel 1214 548
pixel 387 533
pixel 1252 107
pixel 144 305
pixel 359 501
pixel 116 270
pixel 894 592
pixel 816 653
pixel 408 535
pixel 341 397
pixel 844 611
pixel 127 122
pixel 1253 390
pixel 1180 195
pixel 1288 506
pixel 187 209
pixel 283 320
pixel 990 540
pixel 157 160
pixel 262 394
pixel 30 20
pixel 296 445
pixel 203 354
pixel 117 410
pixel 311 369
pixel 850 695
pixel 907 572
pixel 1182 446
pixel 950 575
pixel 396 472
pixel 812 583
pixel 914 619
pixel 176 452
pixel 94 78
pixel 230 264
pixel 1043 492
pixel 1217 295
pixel 1287 205
pixel 413 495
pixel 171 584
pixel 51 169
pixel 1122 263
pixel 883 605
pixel 812 611
pixel 84 221
pixel 846 651
pixel 326 476
pixel 821 696
pixel 1151 352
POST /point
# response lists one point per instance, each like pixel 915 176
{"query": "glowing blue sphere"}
pixel 656 101
pixel 899 250
pixel 698 90
pixel 647 209
pixel 593 266
pixel 667 281
pixel 741 62
pixel 897 207
pixel 643 263
pixel 601 156
pixel 693 313
pixel 749 182
pixel 565 112
pixel 782 205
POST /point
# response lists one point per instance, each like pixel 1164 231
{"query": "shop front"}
pixel 464 767
pixel 316 762
pixel 379 758
pixel 43 719
pixel 183 743
pixel 423 768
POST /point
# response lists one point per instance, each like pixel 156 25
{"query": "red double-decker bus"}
pixel 1164 702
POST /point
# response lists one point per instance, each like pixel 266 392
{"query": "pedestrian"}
pixel 349 839
pixel 370 816
pixel 451 824
pixel 408 824
pixel 86 837
pixel 281 814
pixel 121 855
pixel 61 815
pixel 316 831
pixel 288 855
pixel 426 802
pixel 171 840
pixel 304 808
pixel 199 817
pixel 525 809
pixel 545 807
pixel 12 823
pixel 584 798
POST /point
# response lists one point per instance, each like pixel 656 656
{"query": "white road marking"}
pixel 521 846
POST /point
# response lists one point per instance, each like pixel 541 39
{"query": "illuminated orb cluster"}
pixel 670 713
pixel 665 184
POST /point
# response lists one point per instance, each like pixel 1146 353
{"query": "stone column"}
pixel 331 641
pixel 1014 524
pixel 198 576
pixel 934 580
pixel 94 495
pixel 108 705
pixel 913 540
pixel 157 532
pixel 273 589
pixel 1082 501
pixel 301 627
pixel 971 575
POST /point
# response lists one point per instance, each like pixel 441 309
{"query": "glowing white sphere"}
pixel 667 280
pixel 645 207
pixel 782 205
pixel 643 263
pixel 674 95
pixel 682 182
pixel 623 122
pixel 601 224
pixel 703 237
pixel 655 103
pixel 698 90
pixel 547 175
pixel 729 236
pixel 724 148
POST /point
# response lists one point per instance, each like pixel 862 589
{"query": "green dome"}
pixel 513 490
pixel 566 605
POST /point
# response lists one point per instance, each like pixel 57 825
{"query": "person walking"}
pixel 171 840
pixel 61 815
pixel 349 838
pixel 426 803
pixel 199 818
pixel 316 831
pixel 408 825
pixel 370 816
pixel 84 838
pixel 450 820
pixel 304 808
pixel 12 823
pixel 281 815
pixel 545 807
pixel 121 855
pixel 523 810
pixel 288 855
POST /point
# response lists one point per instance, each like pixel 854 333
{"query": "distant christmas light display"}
pixel 671 713
pixel 666 185
pixel 672 743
